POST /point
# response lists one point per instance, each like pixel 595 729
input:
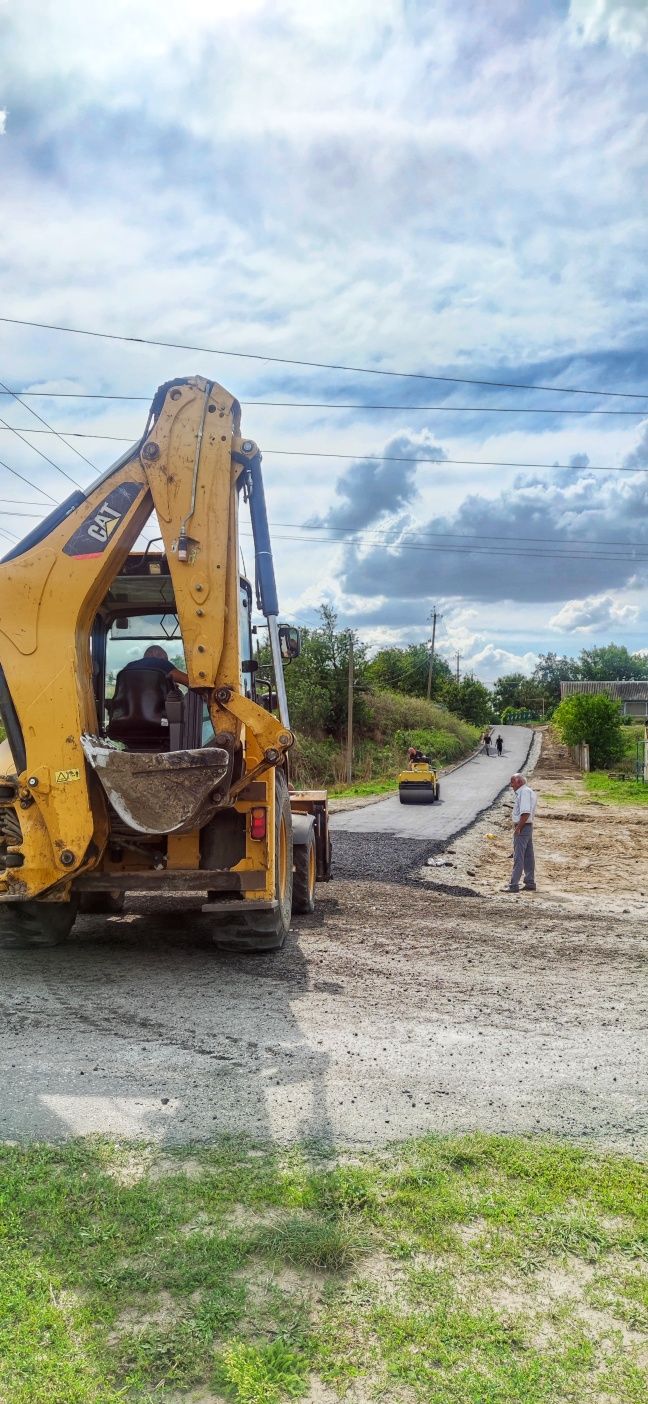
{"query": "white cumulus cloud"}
pixel 490 662
pixel 596 612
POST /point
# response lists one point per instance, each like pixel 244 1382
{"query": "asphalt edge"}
pixel 441 844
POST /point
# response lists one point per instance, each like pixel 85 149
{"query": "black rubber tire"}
pixel 267 931
pixel 437 791
pixel 304 877
pixel 418 797
pixel 34 923
pixel 101 903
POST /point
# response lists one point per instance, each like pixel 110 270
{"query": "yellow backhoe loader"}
pixel 112 778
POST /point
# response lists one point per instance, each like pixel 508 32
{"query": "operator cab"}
pixel 142 708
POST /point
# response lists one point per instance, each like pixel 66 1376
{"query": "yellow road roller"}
pixel 419 784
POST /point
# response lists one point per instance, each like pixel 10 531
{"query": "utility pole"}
pixel 349 755
pixel 457 656
pixel 434 616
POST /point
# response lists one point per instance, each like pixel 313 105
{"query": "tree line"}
pixel 406 670
pixel 317 681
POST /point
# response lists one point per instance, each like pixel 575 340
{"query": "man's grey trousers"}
pixel 523 857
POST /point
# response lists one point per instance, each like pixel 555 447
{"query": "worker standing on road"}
pixel 500 745
pixel 487 740
pixel 524 810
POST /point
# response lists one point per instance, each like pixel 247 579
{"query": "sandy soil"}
pixel 590 856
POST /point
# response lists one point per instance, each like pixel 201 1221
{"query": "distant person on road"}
pixel 500 745
pixel 487 740
pixel 524 810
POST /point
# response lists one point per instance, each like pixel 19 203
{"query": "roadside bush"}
pixel 322 762
pixel 441 745
pixel 389 712
pixel 595 719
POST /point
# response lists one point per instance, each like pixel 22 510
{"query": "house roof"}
pixel 623 691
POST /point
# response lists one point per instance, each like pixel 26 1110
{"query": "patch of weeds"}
pixel 180 1355
pixel 48 1347
pixel 342 1347
pixel 254 1374
pixel 319 1244
pixel 624 1382
pixel 451 1353
pixel 625 1295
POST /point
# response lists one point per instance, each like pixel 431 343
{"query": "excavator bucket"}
pixel 169 792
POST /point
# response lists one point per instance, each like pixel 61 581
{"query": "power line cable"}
pixel 48 426
pixel 464 462
pixel 366 534
pixel 470 550
pixel 438 409
pixel 19 435
pixel 72 395
pixel 375 537
pixel 29 482
pixel 469 544
pixel 19 501
pixel 329 404
pixel 386 458
pixel 475 543
pixel 317 365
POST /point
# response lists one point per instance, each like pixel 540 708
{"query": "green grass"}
pixel 469 1270
pixel 363 787
pixel 608 790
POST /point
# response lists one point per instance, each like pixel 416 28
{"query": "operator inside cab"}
pixel 157 658
pixel 137 712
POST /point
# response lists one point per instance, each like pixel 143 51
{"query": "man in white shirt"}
pixel 524 810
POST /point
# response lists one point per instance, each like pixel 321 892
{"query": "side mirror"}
pixel 289 642
pixel 249 665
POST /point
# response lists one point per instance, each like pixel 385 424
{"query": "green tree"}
pixel 595 719
pixel 406 670
pixel 470 700
pixel 506 691
pixel 317 681
pixel 551 670
pixel 612 663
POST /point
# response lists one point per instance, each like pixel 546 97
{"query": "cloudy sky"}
pixel 453 190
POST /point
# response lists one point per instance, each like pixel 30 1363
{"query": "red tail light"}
pixel 258 820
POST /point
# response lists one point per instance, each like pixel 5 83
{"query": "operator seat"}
pixel 137 712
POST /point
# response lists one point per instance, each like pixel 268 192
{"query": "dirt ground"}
pixel 417 998
pixel 590 856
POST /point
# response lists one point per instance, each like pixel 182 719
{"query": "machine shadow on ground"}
pixel 139 1026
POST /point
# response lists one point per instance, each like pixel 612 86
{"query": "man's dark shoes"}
pixel 510 889
pixel 529 887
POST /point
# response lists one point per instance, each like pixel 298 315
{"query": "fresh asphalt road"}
pixel 465 792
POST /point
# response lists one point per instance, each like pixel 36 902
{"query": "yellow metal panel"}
pixel 51 595
pixel 183 850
